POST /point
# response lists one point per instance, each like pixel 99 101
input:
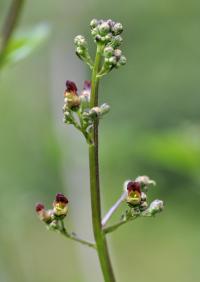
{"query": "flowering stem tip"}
pixel 82 110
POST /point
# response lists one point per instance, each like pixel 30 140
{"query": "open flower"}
pixel 60 205
pixel 133 193
pixel 72 100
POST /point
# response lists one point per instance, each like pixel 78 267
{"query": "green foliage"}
pixel 23 43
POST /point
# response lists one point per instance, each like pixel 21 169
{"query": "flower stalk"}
pixel 99 235
pixel 83 112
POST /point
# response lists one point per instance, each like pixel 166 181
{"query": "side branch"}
pixel 113 209
pixel 74 237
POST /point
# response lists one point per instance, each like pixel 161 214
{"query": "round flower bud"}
pixel 108 37
pixel 155 207
pixel 117 53
pixel 94 23
pixel 94 32
pixel 108 51
pixel 80 41
pixel 104 109
pixel 117 28
pixel 117 41
pixel 104 28
pixel 80 51
pixel 122 60
pixel 113 60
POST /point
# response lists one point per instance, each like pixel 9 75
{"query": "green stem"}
pixel 10 24
pixel 99 235
pixel 113 227
pixel 74 237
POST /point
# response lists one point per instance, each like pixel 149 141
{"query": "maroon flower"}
pixel 60 205
pixel 71 86
pixel 134 193
pixel 61 198
pixel 39 207
pixel 134 186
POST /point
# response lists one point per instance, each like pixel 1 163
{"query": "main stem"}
pixel 99 235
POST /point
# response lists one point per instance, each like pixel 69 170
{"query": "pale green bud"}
pixel 122 60
pixel 104 28
pixel 117 28
pixel 104 109
pixel 80 41
pixel 108 51
pixel 94 23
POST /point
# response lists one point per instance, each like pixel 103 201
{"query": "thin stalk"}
pixel 9 25
pixel 113 209
pixel 99 235
pixel 74 237
pixel 113 227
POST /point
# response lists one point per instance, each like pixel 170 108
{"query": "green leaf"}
pixel 23 43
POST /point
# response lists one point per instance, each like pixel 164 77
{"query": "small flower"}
pixel 71 87
pixel 133 193
pixel 85 94
pixel 44 215
pixel 60 205
pixel 72 100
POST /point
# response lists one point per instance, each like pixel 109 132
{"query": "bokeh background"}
pixel 153 129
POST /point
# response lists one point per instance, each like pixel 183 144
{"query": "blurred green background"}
pixel 153 128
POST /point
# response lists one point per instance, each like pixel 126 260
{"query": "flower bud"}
pixel 145 181
pixel 80 41
pixel 44 215
pixel 80 52
pixel 108 37
pixel 154 208
pixel 112 60
pixel 60 205
pixel 117 53
pixel 104 109
pixel 94 32
pixel 117 28
pixel 122 60
pixel 104 28
pixel 108 51
pixel 94 23
pixel 94 112
pixel 116 41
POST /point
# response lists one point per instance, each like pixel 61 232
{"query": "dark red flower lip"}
pixel 60 198
pixel 39 207
pixel 71 86
pixel 134 186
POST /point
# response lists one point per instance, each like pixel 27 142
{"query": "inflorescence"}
pixel 136 197
pixel 82 114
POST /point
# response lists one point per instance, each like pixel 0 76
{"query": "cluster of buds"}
pixel 82 49
pixel 136 197
pixel 108 33
pixel 77 109
pixel 52 216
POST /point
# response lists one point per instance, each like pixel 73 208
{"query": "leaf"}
pixel 23 43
